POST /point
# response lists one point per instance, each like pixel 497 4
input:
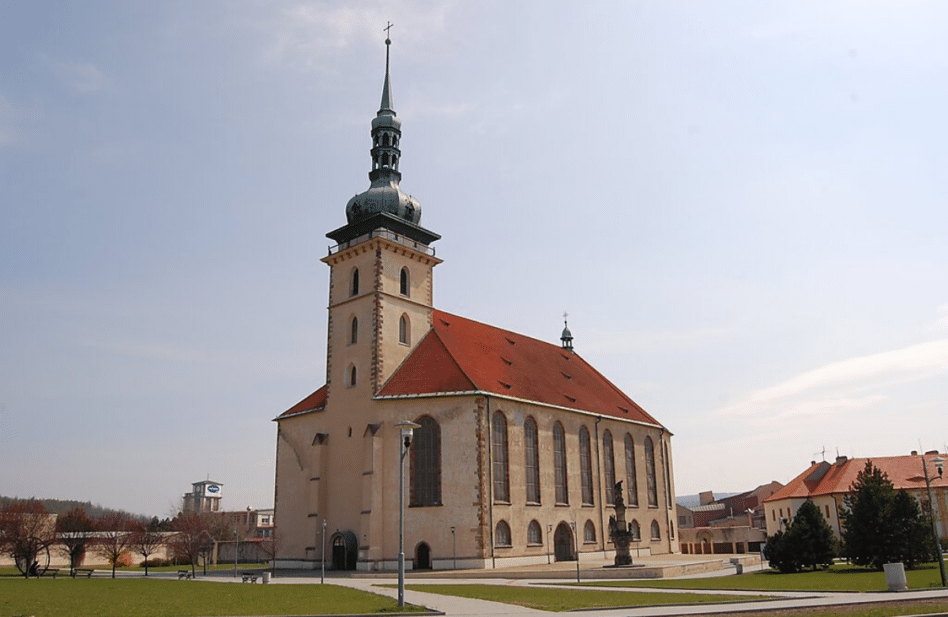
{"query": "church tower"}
pixel 380 292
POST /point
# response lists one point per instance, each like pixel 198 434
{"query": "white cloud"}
pixel 842 386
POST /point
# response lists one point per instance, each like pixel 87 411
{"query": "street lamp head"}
pixel 407 429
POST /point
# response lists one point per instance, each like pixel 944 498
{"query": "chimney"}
pixel 841 460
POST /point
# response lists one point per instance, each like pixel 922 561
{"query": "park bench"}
pixel 86 572
pixel 249 577
pixel 184 574
pixel 51 571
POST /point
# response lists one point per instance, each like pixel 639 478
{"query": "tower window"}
pixel 352 375
pixel 403 283
pixel 354 331
pixel 354 283
pixel 404 330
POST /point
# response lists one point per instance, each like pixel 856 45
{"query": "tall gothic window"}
pixel 403 286
pixel 609 461
pixel 426 463
pixel 656 531
pixel 559 463
pixel 354 282
pixel 666 471
pixel 354 331
pixel 632 484
pixel 501 469
pixel 404 330
pixel 650 482
pixel 531 448
pixel 585 466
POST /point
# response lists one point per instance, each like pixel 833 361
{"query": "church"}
pixel 517 443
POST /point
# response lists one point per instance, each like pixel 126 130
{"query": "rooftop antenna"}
pixel 823 453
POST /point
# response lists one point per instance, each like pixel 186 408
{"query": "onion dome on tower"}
pixel 384 204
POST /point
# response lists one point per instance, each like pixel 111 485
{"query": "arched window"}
pixel 354 330
pixel 531 449
pixel 650 483
pixel 501 467
pixel 404 330
pixel 534 533
pixel 386 139
pixel 403 283
pixel 585 466
pixel 352 375
pixel 354 282
pixel 426 463
pixel 609 462
pixel 502 534
pixel 559 463
pixel 656 532
pixel 589 532
pixel 631 483
pixel 635 531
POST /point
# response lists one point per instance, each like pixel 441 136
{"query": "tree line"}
pixel 28 532
pixel 880 525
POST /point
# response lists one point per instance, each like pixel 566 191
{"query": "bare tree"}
pixel 74 530
pixel 26 533
pixel 146 539
pixel 115 536
pixel 194 533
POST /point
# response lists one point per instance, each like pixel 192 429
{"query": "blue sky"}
pixel 740 204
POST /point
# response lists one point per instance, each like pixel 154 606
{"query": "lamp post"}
pixel 940 466
pixel 406 430
pixel 322 574
pixel 236 550
pixel 454 547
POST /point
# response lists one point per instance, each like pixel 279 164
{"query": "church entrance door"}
pixel 423 557
pixel 563 543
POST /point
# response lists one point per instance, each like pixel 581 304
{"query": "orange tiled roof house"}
pixel 827 484
pixel 519 439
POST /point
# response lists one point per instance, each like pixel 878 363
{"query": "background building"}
pixel 205 496
pixel 827 484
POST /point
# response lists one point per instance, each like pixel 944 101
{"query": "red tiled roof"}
pixel 461 355
pixel 314 402
pixel 905 472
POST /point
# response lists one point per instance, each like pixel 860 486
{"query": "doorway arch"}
pixel 422 556
pixel 344 548
pixel 563 543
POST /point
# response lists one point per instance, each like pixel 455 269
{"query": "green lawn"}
pixel 838 578
pixel 547 599
pixel 100 597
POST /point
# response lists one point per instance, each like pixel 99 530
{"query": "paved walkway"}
pixel 554 574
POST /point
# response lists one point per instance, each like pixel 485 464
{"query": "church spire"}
pixel 384 204
pixel 567 336
pixel 386 105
